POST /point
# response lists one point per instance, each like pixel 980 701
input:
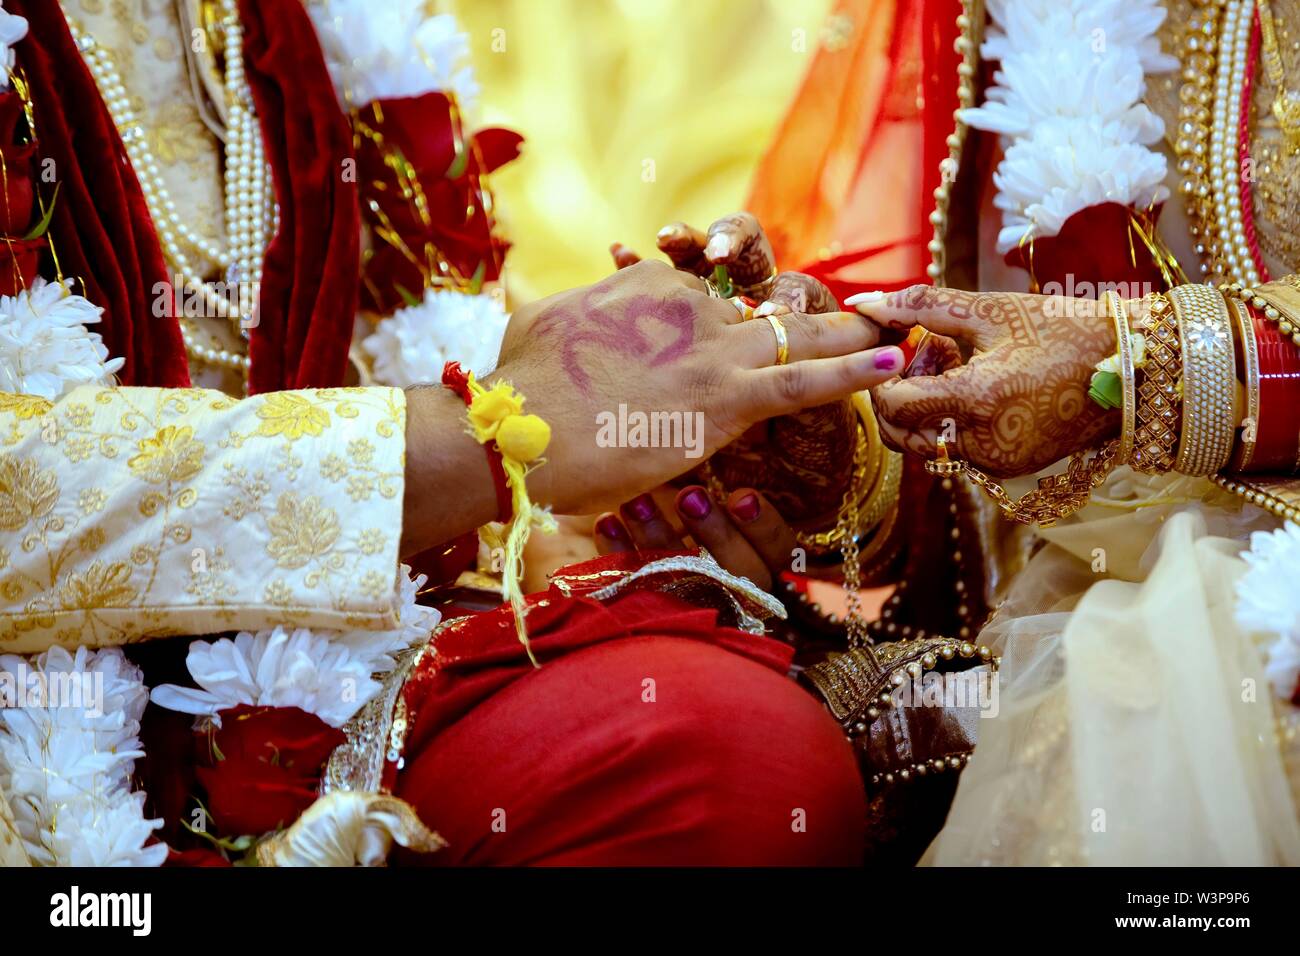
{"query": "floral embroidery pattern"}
pixel 129 513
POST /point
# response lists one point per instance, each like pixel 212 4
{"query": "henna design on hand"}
pixel 1021 402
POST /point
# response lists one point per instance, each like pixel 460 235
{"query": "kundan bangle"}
pixel 496 416
pixel 1209 379
pixel 1158 410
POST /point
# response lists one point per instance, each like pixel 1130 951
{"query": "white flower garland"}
pixel 1067 102
pixel 69 740
pixel 12 29
pixel 45 347
pixel 1269 603
pixel 326 673
pixel 392 49
pixel 410 346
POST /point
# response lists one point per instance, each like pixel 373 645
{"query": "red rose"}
pixel 266 765
pixel 20 261
pixel 422 137
pixel 199 856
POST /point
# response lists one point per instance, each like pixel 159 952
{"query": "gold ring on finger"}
pixel 782 340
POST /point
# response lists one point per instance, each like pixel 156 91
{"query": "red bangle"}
pixel 1277 433
pixel 457 379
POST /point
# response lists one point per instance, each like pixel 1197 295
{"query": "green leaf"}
pixel 457 167
pixel 44 224
pixel 405 293
pixel 476 281
pixel 1105 389
pixel 723 281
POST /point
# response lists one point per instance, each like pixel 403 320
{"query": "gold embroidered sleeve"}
pixel 131 513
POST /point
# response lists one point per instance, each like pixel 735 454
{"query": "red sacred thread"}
pixel 457 379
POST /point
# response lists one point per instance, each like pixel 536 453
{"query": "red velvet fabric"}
pixel 730 763
pixel 311 273
pixel 101 228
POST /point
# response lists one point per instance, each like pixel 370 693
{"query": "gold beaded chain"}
pixel 1055 498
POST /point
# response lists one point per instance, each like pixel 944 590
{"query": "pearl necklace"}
pixel 1210 138
pixel 251 213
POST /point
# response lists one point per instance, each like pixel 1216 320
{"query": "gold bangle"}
pixel 1250 362
pixel 1209 379
pixel 1127 375
pixel 1158 411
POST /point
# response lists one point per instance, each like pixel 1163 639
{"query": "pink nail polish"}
pixel 694 503
pixel 889 360
pixel 640 509
pixel 746 508
pixel 611 528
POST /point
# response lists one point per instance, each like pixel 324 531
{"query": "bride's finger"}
pixel 713 530
pixel 763 527
pixel 623 256
pixel 684 246
pixel 611 536
pixel 739 243
pixel 965 316
pixel 649 528
pixel 796 292
pixel 936 355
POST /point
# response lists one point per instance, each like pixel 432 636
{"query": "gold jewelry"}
pixel 1286 104
pixel 1214 58
pixel 1250 363
pixel 1127 375
pixel 782 340
pixel 1279 301
pixel 873 492
pixel 1209 379
pixel 1056 497
pixel 755 288
pixel 1159 404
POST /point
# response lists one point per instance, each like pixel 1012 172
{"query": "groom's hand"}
pixel 1021 402
pixel 649 339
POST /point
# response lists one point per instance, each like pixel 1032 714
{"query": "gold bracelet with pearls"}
pixel 1209 379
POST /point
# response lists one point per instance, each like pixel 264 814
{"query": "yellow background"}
pixel 635 113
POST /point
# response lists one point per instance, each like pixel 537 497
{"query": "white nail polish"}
pixel 865 298
pixel 667 232
pixel 719 247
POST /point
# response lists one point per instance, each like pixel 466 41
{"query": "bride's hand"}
pixel 747 536
pixel 1021 402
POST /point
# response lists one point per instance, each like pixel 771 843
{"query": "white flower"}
pixel 1067 100
pixel 411 346
pixel 1268 602
pixel 68 746
pixel 326 673
pixel 392 49
pixel 45 348
pixel 12 29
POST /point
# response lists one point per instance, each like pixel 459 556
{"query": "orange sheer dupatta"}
pixel 846 189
